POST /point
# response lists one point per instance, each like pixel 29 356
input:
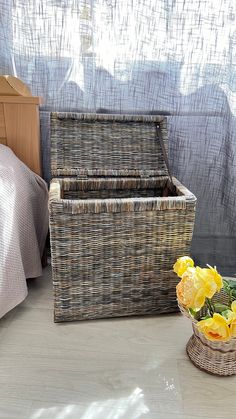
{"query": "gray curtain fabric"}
pixel 177 57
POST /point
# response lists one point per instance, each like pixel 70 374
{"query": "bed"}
pixel 23 200
pixel 23 228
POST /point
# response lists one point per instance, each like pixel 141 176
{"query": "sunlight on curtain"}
pixel 132 55
pixel 173 56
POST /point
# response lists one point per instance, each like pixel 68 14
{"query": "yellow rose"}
pixel 215 328
pixel 232 319
pixel 190 293
pixel 210 277
pixel 182 264
pixel 209 280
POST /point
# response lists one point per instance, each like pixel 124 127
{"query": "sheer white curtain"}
pixel 172 56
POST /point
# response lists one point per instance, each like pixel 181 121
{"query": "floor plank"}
pixel 127 368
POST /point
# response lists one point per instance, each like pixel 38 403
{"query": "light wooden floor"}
pixel 126 368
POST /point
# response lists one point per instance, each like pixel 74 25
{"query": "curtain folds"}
pixel 177 57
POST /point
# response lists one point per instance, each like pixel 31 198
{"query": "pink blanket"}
pixel 23 228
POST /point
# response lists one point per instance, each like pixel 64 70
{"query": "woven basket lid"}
pixel 107 145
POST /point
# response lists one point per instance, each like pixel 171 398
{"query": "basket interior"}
pixel 116 188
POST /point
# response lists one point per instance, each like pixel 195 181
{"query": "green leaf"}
pixel 220 307
pixel 206 317
pixel 226 286
pixel 192 312
pixel 225 313
pixel 231 283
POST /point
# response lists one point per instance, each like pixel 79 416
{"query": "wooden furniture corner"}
pixel 19 122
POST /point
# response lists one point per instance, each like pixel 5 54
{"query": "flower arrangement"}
pixel 215 318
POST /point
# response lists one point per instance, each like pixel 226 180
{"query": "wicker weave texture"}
pixel 217 361
pixel 114 239
pixel 106 145
pixel 217 358
pixel 114 257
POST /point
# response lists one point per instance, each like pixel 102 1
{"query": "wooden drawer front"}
pixel 2 124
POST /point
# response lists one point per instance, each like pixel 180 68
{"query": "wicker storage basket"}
pixel 117 223
pixel 217 358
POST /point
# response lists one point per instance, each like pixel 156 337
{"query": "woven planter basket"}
pixel 117 222
pixel 217 358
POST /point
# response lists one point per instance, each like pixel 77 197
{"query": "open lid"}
pixel 107 145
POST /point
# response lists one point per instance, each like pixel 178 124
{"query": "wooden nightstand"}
pixel 19 121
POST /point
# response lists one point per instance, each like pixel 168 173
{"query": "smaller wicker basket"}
pixel 218 358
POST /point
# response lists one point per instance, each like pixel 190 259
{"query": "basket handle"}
pixel 160 137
